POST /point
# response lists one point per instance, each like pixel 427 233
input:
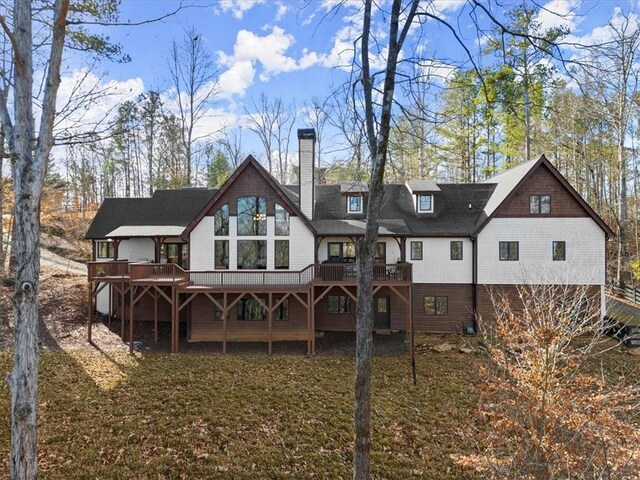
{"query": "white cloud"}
pixel 282 11
pixel 238 8
pixel 559 13
pixel 269 52
pixel 605 33
pixel 237 78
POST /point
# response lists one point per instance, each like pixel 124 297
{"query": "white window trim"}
pixel 418 202
pixel 349 204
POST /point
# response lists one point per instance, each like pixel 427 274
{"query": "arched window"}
pixel 281 221
pixel 252 216
pixel 221 221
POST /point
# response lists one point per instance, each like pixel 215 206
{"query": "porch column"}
pixel 116 245
pixel 122 294
pixel 403 249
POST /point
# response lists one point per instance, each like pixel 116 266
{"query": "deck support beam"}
pixel 270 322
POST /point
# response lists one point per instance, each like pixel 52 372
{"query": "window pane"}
pixel 355 203
pixel 339 304
pixel 424 203
pixel 349 252
pixel 545 203
pixel 281 221
pixel 345 304
pixel 250 309
pixel 559 251
pixel 514 253
pixel 221 221
pixel 221 254
pixel 333 302
pixel 252 254
pixel 105 250
pixel 252 216
pixel 335 252
pixel 282 312
pixel 504 251
pixel 381 252
pixel 456 250
pixel 282 254
pixel 416 250
pixel 534 204
pixel 430 305
pixel 442 305
pixel 382 305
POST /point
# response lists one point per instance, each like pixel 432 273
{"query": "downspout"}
pixel 474 282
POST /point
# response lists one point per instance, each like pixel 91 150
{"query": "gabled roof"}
pixel 165 207
pixel 280 191
pixel 508 182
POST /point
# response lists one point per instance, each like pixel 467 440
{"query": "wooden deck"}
pixel 128 283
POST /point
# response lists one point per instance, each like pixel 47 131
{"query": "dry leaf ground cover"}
pixel 110 415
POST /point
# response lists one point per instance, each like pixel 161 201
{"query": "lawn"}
pixel 193 415
pixel 109 415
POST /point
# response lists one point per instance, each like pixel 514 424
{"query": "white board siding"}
pixel 102 299
pixel 585 251
pixel 393 249
pixel 137 250
pixel 301 244
pixel 201 254
pixel 436 265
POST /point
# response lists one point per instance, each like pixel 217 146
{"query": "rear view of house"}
pixel 259 261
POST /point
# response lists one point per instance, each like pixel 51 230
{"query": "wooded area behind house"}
pixel 458 123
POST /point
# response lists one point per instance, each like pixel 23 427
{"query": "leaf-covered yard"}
pixel 105 414
pixel 109 415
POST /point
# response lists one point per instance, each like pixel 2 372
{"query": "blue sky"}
pixel 289 49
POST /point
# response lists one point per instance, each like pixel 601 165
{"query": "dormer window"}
pixel 354 204
pixel 425 203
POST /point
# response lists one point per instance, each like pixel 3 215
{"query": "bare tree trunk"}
pixel 2 239
pixel 378 145
pixel 29 167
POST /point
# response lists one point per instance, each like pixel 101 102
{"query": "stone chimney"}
pixel 306 170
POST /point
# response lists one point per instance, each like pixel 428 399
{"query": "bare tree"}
pixel 377 122
pixel 231 145
pixel 194 80
pixel 29 165
pixel 272 121
pixel 316 116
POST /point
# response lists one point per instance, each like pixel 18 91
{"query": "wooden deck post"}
pixel 173 319
pixel 122 294
pixel 155 316
pixel 131 301
pixel 224 323
pixel 110 303
pixel 90 312
pixel 312 306
pixel 270 322
pixel 411 336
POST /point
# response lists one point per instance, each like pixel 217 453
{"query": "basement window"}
pixel 434 305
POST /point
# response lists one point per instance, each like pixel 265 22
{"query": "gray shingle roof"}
pixel 354 187
pixel 166 207
pixel 451 217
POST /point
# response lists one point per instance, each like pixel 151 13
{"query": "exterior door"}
pixel 382 307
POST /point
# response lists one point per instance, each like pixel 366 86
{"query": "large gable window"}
pixel 281 221
pixel 281 258
pixel 221 221
pixel 252 254
pixel 425 203
pixel 539 204
pixel 354 204
pixel 221 254
pixel 252 215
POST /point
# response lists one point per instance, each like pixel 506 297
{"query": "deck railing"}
pixel 157 273
pixel 111 269
pixel 169 273
pixel 250 277
pixel 348 272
